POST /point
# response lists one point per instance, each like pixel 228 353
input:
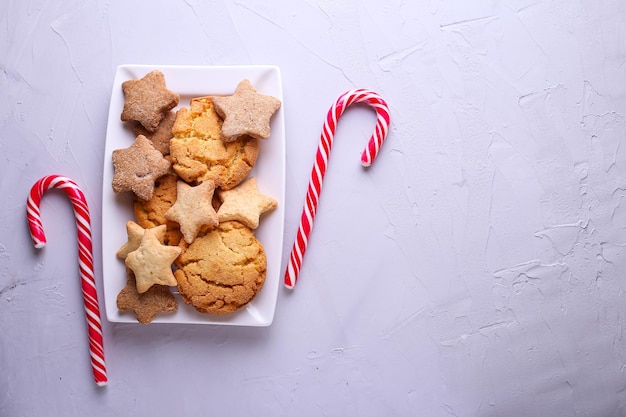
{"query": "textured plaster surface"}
pixel 476 269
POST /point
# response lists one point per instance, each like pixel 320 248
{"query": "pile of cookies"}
pixel 196 207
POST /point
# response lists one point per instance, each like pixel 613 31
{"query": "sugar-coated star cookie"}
pixel 244 203
pixel 246 112
pixel 137 167
pixel 158 299
pixel 147 100
pixel 152 262
pixel 160 138
pixel 193 208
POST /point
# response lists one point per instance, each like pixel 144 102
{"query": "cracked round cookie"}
pixel 198 152
pixel 222 270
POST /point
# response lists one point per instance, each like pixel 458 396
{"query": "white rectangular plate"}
pixel 269 172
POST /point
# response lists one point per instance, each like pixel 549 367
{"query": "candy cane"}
pixel 321 161
pixel 85 259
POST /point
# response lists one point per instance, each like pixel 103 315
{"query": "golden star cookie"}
pixel 158 299
pixel 222 270
pixel 193 208
pixel 147 100
pixel 246 112
pixel 245 204
pixel 135 233
pixel 152 262
pixel 137 167
pixel 198 154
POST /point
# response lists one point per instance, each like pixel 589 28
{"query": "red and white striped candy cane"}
pixel 85 259
pixel 321 161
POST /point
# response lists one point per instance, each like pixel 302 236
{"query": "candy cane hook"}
pixel 85 259
pixel 321 161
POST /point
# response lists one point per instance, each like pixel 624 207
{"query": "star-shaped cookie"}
pixel 193 208
pixel 158 299
pixel 137 167
pixel 246 112
pixel 152 262
pixel 245 204
pixel 160 138
pixel 135 233
pixel 147 100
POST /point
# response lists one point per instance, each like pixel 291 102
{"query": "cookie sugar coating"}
pixel 158 299
pixel 147 100
pixel 198 153
pixel 222 270
pixel 160 138
pixel 246 112
pixel 137 167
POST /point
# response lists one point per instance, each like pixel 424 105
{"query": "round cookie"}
pixel 222 270
pixel 198 152
pixel 151 213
